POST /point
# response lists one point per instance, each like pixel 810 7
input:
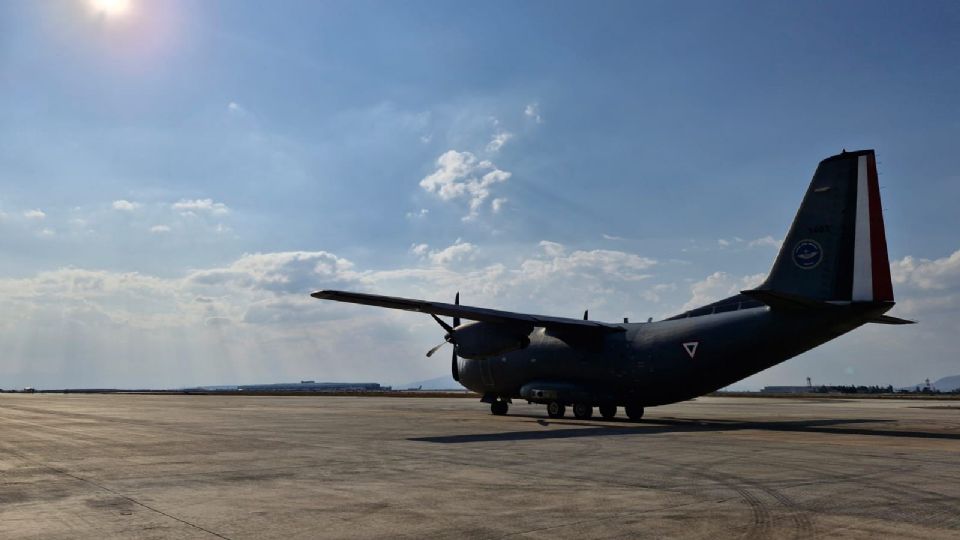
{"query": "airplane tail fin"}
pixel 836 249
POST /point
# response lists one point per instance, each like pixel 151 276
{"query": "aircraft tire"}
pixel 608 412
pixel 499 408
pixel 582 411
pixel 634 412
pixel 555 409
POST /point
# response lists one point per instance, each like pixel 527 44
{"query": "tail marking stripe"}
pixel 882 288
pixel 862 255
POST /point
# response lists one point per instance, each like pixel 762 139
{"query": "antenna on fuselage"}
pixel 586 312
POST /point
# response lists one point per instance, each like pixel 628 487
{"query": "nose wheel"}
pixel 555 409
pixel 499 408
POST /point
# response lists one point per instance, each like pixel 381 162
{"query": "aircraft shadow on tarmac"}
pixel 667 425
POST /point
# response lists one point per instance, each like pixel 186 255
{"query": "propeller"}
pixel 449 338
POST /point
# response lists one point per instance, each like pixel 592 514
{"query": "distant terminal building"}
pixel 310 386
pixel 302 386
pixel 786 389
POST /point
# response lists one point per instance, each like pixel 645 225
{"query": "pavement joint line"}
pixel 117 493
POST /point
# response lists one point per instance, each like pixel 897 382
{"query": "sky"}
pixel 176 177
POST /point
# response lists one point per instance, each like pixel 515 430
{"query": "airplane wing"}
pixel 468 312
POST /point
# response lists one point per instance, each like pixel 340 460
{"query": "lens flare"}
pixel 110 8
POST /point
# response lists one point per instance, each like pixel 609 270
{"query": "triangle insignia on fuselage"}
pixel 691 348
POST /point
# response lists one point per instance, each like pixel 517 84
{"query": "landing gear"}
pixel 634 412
pixel 582 411
pixel 555 409
pixel 499 408
pixel 608 412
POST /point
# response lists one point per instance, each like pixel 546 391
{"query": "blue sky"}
pixel 176 175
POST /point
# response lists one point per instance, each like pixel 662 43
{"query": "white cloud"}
pixel 532 111
pixel 286 272
pixel 422 213
pixel 419 249
pixel 723 242
pixel 157 229
pixel 766 241
pixel 234 108
pixel 35 214
pixel 458 251
pixel 719 285
pixel 200 205
pixel 611 237
pixel 125 205
pixel 926 274
pixel 499 139
pixel 462 175
pixel 497 204
pixel 552 249
pixel 47 232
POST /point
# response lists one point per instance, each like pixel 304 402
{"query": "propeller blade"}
pixel 435 349
pixel 456 301
pixel 445 326
pixel 454 365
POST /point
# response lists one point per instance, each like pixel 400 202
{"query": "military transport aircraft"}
pixel 830 277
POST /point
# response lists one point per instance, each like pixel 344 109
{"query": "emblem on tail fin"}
pixel 807 254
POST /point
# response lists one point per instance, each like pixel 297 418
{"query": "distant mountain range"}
pixel 947 384
pixel 445 382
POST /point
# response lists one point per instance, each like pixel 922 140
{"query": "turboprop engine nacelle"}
pixel 484 339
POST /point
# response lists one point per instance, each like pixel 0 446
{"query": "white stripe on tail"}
pixel 862 253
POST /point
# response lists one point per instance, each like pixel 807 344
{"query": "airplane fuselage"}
pixel 659 362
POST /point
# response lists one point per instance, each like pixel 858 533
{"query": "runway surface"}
pixel 99 466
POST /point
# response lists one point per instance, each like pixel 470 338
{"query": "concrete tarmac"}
pixel 130 466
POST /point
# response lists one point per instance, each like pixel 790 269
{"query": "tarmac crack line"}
pixel 118 494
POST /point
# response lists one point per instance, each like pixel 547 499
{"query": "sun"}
pixel 110 8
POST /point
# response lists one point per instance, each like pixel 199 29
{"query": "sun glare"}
pixel 110 8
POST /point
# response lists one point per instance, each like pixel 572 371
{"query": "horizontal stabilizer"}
pixel 886 319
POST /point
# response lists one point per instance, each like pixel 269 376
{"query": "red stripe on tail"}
pixel 882 288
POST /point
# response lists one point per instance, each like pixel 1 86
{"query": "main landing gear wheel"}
pixel 555 409
pixel 582 411
pixel 634 412
pixel 608 411
pixel 499 408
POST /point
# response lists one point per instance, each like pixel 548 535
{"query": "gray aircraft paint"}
pixel 830 277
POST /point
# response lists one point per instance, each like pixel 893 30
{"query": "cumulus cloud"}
pixel 200 205
pixel 460 175
pixel 926 274
pixel 458 251
pixel 125 205
pixel 718 286
pixel 419 249
pixel 552 249
pixel 766 241
pixel 288 272
pixel 497 204
pixel 35 214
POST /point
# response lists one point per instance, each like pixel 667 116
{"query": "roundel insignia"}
pixel 807 254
